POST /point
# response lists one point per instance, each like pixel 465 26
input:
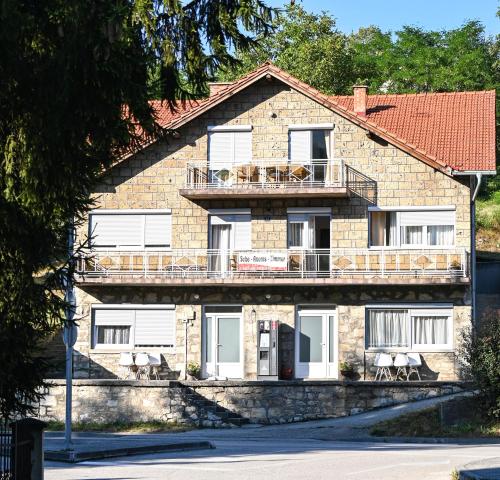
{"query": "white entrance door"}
pixel 316 344
pixel 222 345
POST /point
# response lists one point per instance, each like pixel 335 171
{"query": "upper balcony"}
pixel 276 178
pixel 276 267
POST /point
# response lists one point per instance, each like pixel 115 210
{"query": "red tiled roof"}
pixel 449 131
pixel 457 129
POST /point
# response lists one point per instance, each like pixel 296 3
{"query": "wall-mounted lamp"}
pixel 196 296
pixel 176 134
pixel 268 296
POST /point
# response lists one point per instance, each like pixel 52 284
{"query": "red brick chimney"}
pixel 216 87
pixel 360 99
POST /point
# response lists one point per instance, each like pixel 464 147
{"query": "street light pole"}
pixel 70 334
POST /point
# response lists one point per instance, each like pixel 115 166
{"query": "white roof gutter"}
pixel 473 172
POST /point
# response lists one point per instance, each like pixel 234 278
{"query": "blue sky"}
pixel 392 14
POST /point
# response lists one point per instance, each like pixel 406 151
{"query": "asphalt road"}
pixel 276 458
pixel 322 449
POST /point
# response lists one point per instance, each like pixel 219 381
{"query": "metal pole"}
pixel 68 445
pixel 70 334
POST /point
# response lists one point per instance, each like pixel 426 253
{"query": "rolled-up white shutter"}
pixel 300 145
pixel 220 149
pixel 116 230
pixel 427 217
pixel 242 225
pixel 155 327
pixel 113 317
pixel 242 147
pixel 158 230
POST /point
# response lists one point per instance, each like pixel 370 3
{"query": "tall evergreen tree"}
pixel 68 68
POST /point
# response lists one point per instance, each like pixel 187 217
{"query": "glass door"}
pixel 222 345
pixel 316 344
pixel 310 235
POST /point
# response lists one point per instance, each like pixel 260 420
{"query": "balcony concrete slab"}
pixel 267 192
pixel 158 280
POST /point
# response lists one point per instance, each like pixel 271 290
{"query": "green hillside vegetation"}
pixel 488 217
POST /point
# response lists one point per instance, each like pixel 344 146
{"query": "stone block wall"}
pixel 260 402
pixel 348 302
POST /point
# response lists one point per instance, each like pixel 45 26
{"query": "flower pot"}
pixel 349 374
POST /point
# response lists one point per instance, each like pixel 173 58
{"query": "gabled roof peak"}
pixel 449 131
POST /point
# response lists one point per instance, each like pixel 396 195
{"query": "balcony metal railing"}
pixel 274 263
pixel 265 173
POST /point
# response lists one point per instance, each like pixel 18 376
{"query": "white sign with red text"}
pixel 262 261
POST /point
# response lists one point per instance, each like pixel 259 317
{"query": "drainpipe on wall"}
pixel 186 320
pixel 479 178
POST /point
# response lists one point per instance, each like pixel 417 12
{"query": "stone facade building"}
pixel 347 220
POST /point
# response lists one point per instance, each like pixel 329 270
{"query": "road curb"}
pixel 74 456
pixel 423 440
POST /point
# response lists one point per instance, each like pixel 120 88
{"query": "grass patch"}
pixel 123 427
pixel 488 212
pixel 426 423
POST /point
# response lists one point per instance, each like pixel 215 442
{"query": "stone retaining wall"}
pixel 260 402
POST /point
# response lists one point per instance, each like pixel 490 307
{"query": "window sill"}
pixel 131 250
pixel 413 247
pixel 127 349
pixel 410 350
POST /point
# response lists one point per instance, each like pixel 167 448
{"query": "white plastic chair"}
pixel 415 362
pixel 126 363
pixel 402 363
pixel 155 363
pixel 383 362
pixel 142 364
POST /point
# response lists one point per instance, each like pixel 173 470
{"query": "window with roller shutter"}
pixel 131 231
pixel 133 327
pixel 229 147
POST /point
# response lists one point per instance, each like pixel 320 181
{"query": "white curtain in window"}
pixel 440 235
pixel 220 240
pixel 296 234
pixel 393 228
pixel 412 235
pixel 430 330
pixel 113 335
pixel 388 328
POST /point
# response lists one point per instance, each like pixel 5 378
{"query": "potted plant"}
pixel 286 373
pixel 347 370
pixel 193 371
pixel 455 268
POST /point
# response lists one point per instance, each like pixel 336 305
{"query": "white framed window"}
pixel 229 145
pixel 306 145
pixel 133 326
pixel 400 328
pixel 412 228
pixel 230 229
pixel 131 229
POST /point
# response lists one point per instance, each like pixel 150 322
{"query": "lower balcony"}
pixel 279 267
